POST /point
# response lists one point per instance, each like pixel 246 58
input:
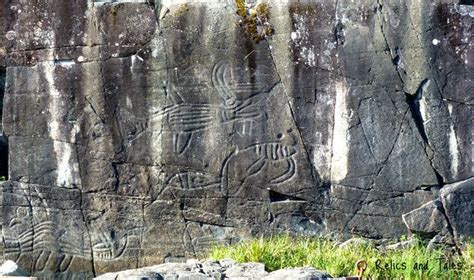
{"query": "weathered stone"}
pixel 3 156
pixel 163 271
pixel 354 242
pixel 447 220
pixel 402 245
pixel 457 201
pixel 429 219
pixel 246 270
pixel 226 269
pixel 142 132
pixel 305 273
pixel 443 241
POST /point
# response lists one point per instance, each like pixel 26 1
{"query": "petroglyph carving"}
pixel 109 246
pixel 53 247
pixel 190 180
pixel 40 240
pixel 185 119
pixel 265 154
pixel 65 262
pixel 272 152
pixel 221 84
pixel 268 154
pixel 195 180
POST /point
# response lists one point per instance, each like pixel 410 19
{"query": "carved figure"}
pixel 185 119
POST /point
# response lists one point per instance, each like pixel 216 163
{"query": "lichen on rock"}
pixel 255 20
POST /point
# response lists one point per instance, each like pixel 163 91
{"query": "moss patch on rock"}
pixel 254 20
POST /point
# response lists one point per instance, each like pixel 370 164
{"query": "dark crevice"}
pixel 279 197
pixel 3 137
pixel 116 176
pixel 3 157
pixel 414 104
pixel 339 36
pixel 466 2
pixel 439 178
pixel 397 59
pixel 450 227
pixel 424 235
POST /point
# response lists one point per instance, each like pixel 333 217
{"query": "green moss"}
pixel 284 251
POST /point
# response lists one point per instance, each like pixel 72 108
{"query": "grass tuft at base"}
pixel 414 262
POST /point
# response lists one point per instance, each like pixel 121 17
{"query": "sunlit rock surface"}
pixel 144 131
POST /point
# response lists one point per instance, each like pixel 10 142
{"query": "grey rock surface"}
pixel 354 242
pixel 304 273
pixel 457 200
pixel 429 219
pixel 402 245
pixel 215 270
pixel 146 131
pixel 448 220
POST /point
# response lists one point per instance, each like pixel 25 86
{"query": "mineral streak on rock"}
pixel 143 131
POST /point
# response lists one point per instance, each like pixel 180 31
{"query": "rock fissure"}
pixel 84 220
pixel 300 136
pixel 94 110
pixel 380 168
pixel 450 227
pixel 393 57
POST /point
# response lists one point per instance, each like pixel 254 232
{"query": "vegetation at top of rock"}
pixel 2 178
pixel 255 20
pixel 415 261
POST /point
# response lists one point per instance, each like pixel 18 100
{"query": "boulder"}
pixel 354 242
pixel 448 220
pixel 402 245
pixel 428 220
pixel 303 273
pixel 458 203
pixel 215 270
pixel 246 271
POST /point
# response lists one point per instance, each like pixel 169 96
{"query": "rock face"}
pixel 143 131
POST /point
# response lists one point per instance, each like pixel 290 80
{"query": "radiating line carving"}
pixel 185 119
pixel 49 245
pixel 265 154
pixel 195 180
pixel 272 152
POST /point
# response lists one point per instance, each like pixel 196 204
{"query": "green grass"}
pixel 284 251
